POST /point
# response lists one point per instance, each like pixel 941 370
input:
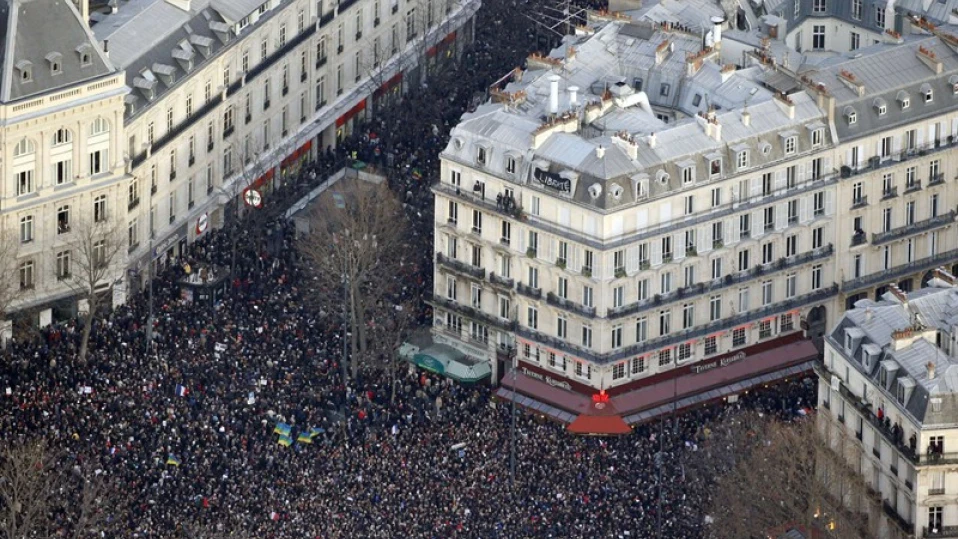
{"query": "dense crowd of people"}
pixel 226 423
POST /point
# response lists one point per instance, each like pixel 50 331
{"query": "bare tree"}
pixel 97 252
pixel 9 286
pixel 390 324
pixel 354 248
pixel 773 475
pixel 28 487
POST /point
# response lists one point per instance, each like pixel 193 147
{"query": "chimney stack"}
pixel 652 140
pixel 931 370
pixel 746 118
pixel 573 96
pixel 554 94
pixel 600 152
pixel 717 22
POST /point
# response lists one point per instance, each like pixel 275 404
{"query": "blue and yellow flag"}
pixel 282 429
pixel 172 460
pixel 285 441
pixel 304 438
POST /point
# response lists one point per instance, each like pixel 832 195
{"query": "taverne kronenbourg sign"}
pixel 553 181
pixel 547 379
pixel 725 361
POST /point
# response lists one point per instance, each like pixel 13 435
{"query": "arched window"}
pixel 62 136
pixel 99 126
pixel 24 147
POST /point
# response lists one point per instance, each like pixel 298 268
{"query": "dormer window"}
pixel 25 67
pixel 903 100
pixel 741 159
pixel 881 107
pixel 481 156
pixel 927 92
pixel 85 59
pixel 511 165
pixel 953 81
pixel 55 61
pixel 791 144
pixel 715 167
pixel 818 137
pixel 851 116
pixel 688 175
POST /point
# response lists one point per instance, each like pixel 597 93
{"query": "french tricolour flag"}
pixel 182 391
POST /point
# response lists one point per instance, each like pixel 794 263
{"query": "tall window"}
pixel 24 181
pixel 63 219
pixel 99 209
pixel 26 229
pixel 818 37
pixel 26 272
pixel 63 265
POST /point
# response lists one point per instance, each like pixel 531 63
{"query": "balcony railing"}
pixel 936 179
pixel 272 59
pixel 893 515
pixel 915 228
pixel 936 491
pixel 682 336
pixel 941 531
pixel 902 270
pixel 891 192
pixel 501 281
pixel 859 238
pixel 571 306
pixel 718 284
pixel 529 291
pixel 876 162
pixel 859 202
pixel 864 409
pixel 714 214
pixel 460 267
pixel 469 312
pixel 177 130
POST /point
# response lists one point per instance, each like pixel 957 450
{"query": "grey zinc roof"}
pixel 38 32
pixel 141 25
pixel 936 308
pixel 598 65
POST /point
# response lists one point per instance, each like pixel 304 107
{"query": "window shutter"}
pixel 829 203
pixel 780 180
pixel 522 239
pixel 731 231
pixel 828 166
pixel 954 127
pixel 632 259
pixel 756 188
pixel 642 219
pixel 576 255
pixel 896 145
pixel 758 224
pixel 802 172
pixel 656 252
pixel 804 215
pixel 705 238
pixel 678 245
pixel 781 216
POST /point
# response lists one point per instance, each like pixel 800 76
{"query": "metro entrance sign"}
pixel 253 198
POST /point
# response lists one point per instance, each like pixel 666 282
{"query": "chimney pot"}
pixel 652 140
pixel 600 152
pixel 573 96
pixel 931 370
pixel 554 94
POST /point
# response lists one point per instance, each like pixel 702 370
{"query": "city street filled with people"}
pixel 225 422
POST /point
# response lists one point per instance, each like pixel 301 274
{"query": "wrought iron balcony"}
pixel 913 186
pixel 859 238
pixel 915 228
pixel 681 336
pixel 893 515
pixel 936 179
pixel 891 192
pixel 718 284
pixel 941 531
pixel 859 202
pixel 470 312
pixel 529 291
pixel 887 276
pixel 460 267
pixel 876 163
pixel 571 306
pixel 501 281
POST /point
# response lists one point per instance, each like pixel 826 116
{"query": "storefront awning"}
pixel 599 425
pixel 447 361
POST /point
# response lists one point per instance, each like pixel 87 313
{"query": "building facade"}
pixel 889 384
pixel 62 109
pixel 645 204
pixel 187 105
